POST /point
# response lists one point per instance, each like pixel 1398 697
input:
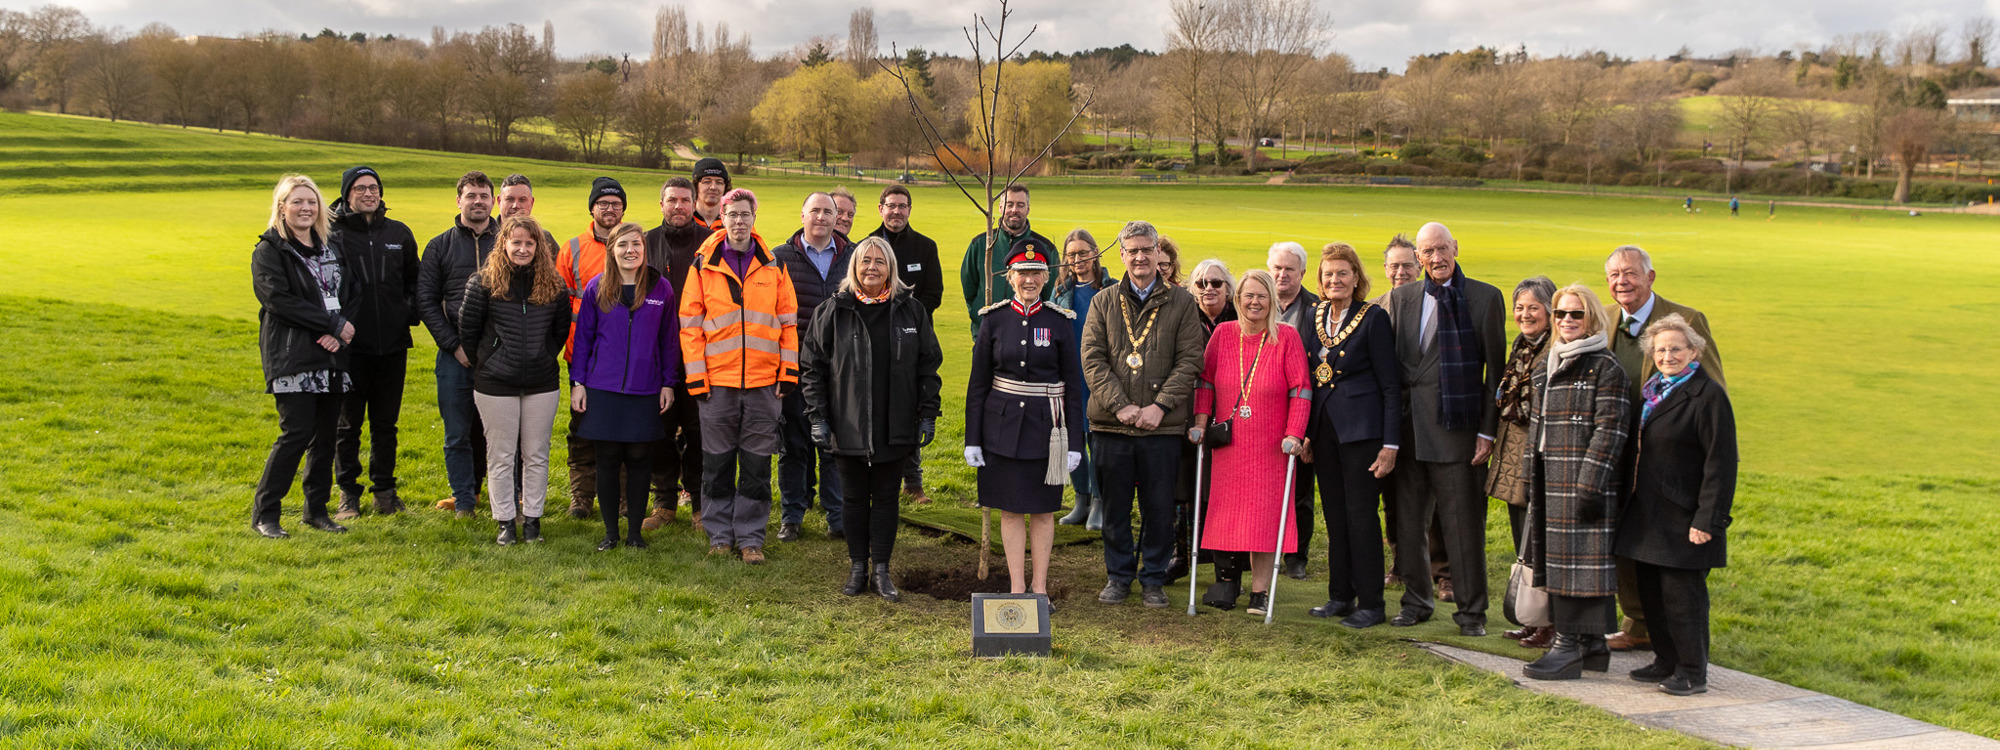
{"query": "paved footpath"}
pixel 1739 709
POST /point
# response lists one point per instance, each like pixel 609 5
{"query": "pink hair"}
pixel 740 194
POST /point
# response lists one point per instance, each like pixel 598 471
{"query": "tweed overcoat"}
pixel 1575 446
pixel 1504 479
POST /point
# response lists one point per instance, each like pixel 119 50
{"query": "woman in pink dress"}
pixel 1254 377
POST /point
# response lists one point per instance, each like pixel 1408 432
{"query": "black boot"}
pixel 507 535
pixel 1570 655
pixel 350 505
pixel 1222 594
pixel 531 529
pixel 883 585
pixel 857 578
pixel 634 540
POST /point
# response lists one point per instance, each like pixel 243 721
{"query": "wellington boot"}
pixel 1096 522
pixel 1081 514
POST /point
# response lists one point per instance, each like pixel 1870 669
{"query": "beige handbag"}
pixel 1525 605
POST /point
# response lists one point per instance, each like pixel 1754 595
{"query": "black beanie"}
pixel 712 167
pixel 604 186
pixel 348 177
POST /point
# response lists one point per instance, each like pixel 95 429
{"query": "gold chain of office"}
pixel 1134 360
pixel 1324 373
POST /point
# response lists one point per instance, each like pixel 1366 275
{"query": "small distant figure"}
pixel 1734 205
pixel 1687 204
pixel 1773 212
pixel 1914 212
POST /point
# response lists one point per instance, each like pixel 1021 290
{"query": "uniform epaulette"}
pixel 1066 312
pixel 992 307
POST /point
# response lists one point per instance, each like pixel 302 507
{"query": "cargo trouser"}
pixel 739 432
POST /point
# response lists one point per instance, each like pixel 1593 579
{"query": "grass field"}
pixel 138 610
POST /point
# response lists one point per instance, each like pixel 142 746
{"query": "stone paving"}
pixel 1739 709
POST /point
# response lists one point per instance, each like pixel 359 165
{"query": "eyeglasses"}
pixel 739 216
pixel 365 189
pixel 607 206
pixel 1671 351
pixel 1211 284
pixel 1571 314
pixel 1139 250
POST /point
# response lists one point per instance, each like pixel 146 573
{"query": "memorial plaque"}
pixel 1010 624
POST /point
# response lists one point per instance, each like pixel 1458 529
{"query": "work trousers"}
pixel 377 399
pixel 739 432
pixel 676 458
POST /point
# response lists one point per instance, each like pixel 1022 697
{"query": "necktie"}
pixel 1625 323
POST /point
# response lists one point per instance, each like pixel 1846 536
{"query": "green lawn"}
pixel 139 610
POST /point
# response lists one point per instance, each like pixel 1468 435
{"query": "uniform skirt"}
pixel 1015 485
pixel 620 417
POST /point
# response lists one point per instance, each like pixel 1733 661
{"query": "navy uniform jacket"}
pixel 1364 400
pixel 1040 348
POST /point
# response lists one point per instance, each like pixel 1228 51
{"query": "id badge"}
pixel 332 304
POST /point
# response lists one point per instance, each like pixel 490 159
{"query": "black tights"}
pixel 869 506
pixel 633 461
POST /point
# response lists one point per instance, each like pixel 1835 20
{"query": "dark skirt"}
pixel 1584 615
pixel 1015 485
pixel 620 417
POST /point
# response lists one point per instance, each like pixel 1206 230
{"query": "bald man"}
pixel 1451 346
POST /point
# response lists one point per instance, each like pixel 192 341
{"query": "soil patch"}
pixel 959 584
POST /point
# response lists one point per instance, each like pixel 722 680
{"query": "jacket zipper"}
pixel 625 386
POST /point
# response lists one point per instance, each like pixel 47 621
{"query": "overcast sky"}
pixel 1375 33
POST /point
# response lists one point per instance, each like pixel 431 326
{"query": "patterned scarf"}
pixel 1517 386
pixel 1458 354
pixel 875 300
pixel 1657 387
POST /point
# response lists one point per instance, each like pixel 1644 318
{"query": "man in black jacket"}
pixel 917 265
pixel 449 261
pixel 670 248
pixel 381 256
pixel 816 258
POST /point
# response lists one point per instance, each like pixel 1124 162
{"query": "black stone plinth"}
pixel 1010 625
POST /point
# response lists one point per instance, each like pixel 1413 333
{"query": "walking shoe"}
pixel 507 535
pixel 1115 592
pixel 1407 618
pixel 350 505
pixel 1681 685
pixel 1260 602
pixel 1622 641
pixel 447 504
pixel 915 491
pixel 1365 618
pixel 1296 568
pixel 660 517
pixel 718 550
pixel 789 532
pixel 531 529
pixel 579 508
pixel 753 555
pixel 1444 591
pixel 387 503
pixel 325 524
pixel 1153 596
pixel 1332 609
pixel 607 544
pixel 463 513
pixel 271 530
pixel 1653 672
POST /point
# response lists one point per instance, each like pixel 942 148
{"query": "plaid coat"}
pixel 1574 448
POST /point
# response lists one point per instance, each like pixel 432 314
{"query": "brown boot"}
pixel 753 555
pixel 1623 641
pixel 350 506
pixel 915 491
pixel 386 503
pixel 581 507
pixel 1542 638
pixel 660 517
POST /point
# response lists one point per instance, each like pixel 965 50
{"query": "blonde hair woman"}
pixel 302 336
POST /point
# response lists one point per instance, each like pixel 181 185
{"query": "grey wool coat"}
pixel 1575 447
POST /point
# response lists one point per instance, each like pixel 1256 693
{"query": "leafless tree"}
pixel 507 69
pixel 14 57
pixel 653 121
pixel 1977 36
pixel 585 104
pixel 1745 106
pixel 1574 93
pixel 1269 43
pixel 862 43
pixel 182 75
pixel 1429 99
pixel 111 76
pixel 1807 122
pixel 56 35
pixel 1193 70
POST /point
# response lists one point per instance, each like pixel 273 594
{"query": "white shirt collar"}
pixel 1641 317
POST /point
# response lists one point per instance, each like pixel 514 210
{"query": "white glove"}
pixel 1075 460
pixel 974 457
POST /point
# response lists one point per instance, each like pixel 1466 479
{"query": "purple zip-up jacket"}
pixel 635 352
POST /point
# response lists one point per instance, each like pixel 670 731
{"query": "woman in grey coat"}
pixel 1576 440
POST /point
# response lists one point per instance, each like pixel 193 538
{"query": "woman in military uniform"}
pixel 1357 423
pixel 1024 412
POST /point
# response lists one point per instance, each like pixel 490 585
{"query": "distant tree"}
pixel 817 109
pixel 816 55
pixel 1429 99
pixel 112 77
pixel 862 44
pixel 1908 137
pixel 1806 122
pixel 1745 107
pixel 1030 113
pixel 1193 72
pixel 14 56
pixel 507 71
pixel 283 81
pixel 1978 37
pixel 585 105
pixel 182 78
pixel 56 36
pixel 1574 93
pixel 736 133
pixel 1270 43
pixel 918 62
pixel 653 122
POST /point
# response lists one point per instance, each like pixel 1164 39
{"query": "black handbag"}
pixel 1217 435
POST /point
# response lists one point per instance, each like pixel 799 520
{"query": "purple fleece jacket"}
pixel 635 352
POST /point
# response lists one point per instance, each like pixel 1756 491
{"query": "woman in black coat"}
pixel 1356 427
pixel 870 381
pixel 514 322
pixel 303 339
pixel 1676 519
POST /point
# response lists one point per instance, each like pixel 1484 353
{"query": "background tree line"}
pixel 1231 73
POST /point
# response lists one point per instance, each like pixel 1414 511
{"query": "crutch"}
pixel 1194 524
pixel 1284 518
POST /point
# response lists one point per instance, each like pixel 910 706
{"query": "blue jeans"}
pixel 464 436
pixel 801 466
pixel 1147 467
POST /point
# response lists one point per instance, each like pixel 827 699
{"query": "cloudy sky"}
pixel 1376 33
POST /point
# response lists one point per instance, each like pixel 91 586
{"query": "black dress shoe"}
pixel 1407 618
pixel 857 578
pixel 1653 672
pixel 271 529
pixel 1472 629
pixel 1365 618
pixel 1332 609
pixel 1681 685
pixel 325 524
pixel 636 542
pixel 1296 569
pixel 789 532
pixel 609 543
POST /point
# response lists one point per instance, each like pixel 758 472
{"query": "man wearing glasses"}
pixel 1629 272
pixel 380 255
pixel 918 257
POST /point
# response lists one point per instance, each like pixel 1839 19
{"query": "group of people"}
pixel 1217 409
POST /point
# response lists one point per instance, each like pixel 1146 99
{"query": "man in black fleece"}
pixel 670 248
pixel 380 256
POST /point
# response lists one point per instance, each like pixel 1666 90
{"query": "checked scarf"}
pixel 1657 387
pixel 1459 396
pixel 1516 386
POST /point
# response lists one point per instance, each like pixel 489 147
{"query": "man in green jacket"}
pixel 978 272
pixel 1142 355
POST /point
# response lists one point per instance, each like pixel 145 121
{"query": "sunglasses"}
pixel 1210 284
pixel 1571 314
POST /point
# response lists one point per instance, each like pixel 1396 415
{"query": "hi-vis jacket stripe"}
pixel 738 332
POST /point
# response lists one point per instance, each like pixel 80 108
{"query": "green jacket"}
pixel 1172 358
pixel 981 272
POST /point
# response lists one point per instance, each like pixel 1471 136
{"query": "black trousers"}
pixel 305 430
pixel 870 503
pixel 1141 468
pixel 1583 615
pixel 1353 531
pixel 377 399
pixel 1452 492
pixel 1303 519
pixel 1676 605
pixel 631 461
pixel 677 457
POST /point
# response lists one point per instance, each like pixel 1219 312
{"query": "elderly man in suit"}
pixel 1634 305
pixel 1451 349
pixel 1288 266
